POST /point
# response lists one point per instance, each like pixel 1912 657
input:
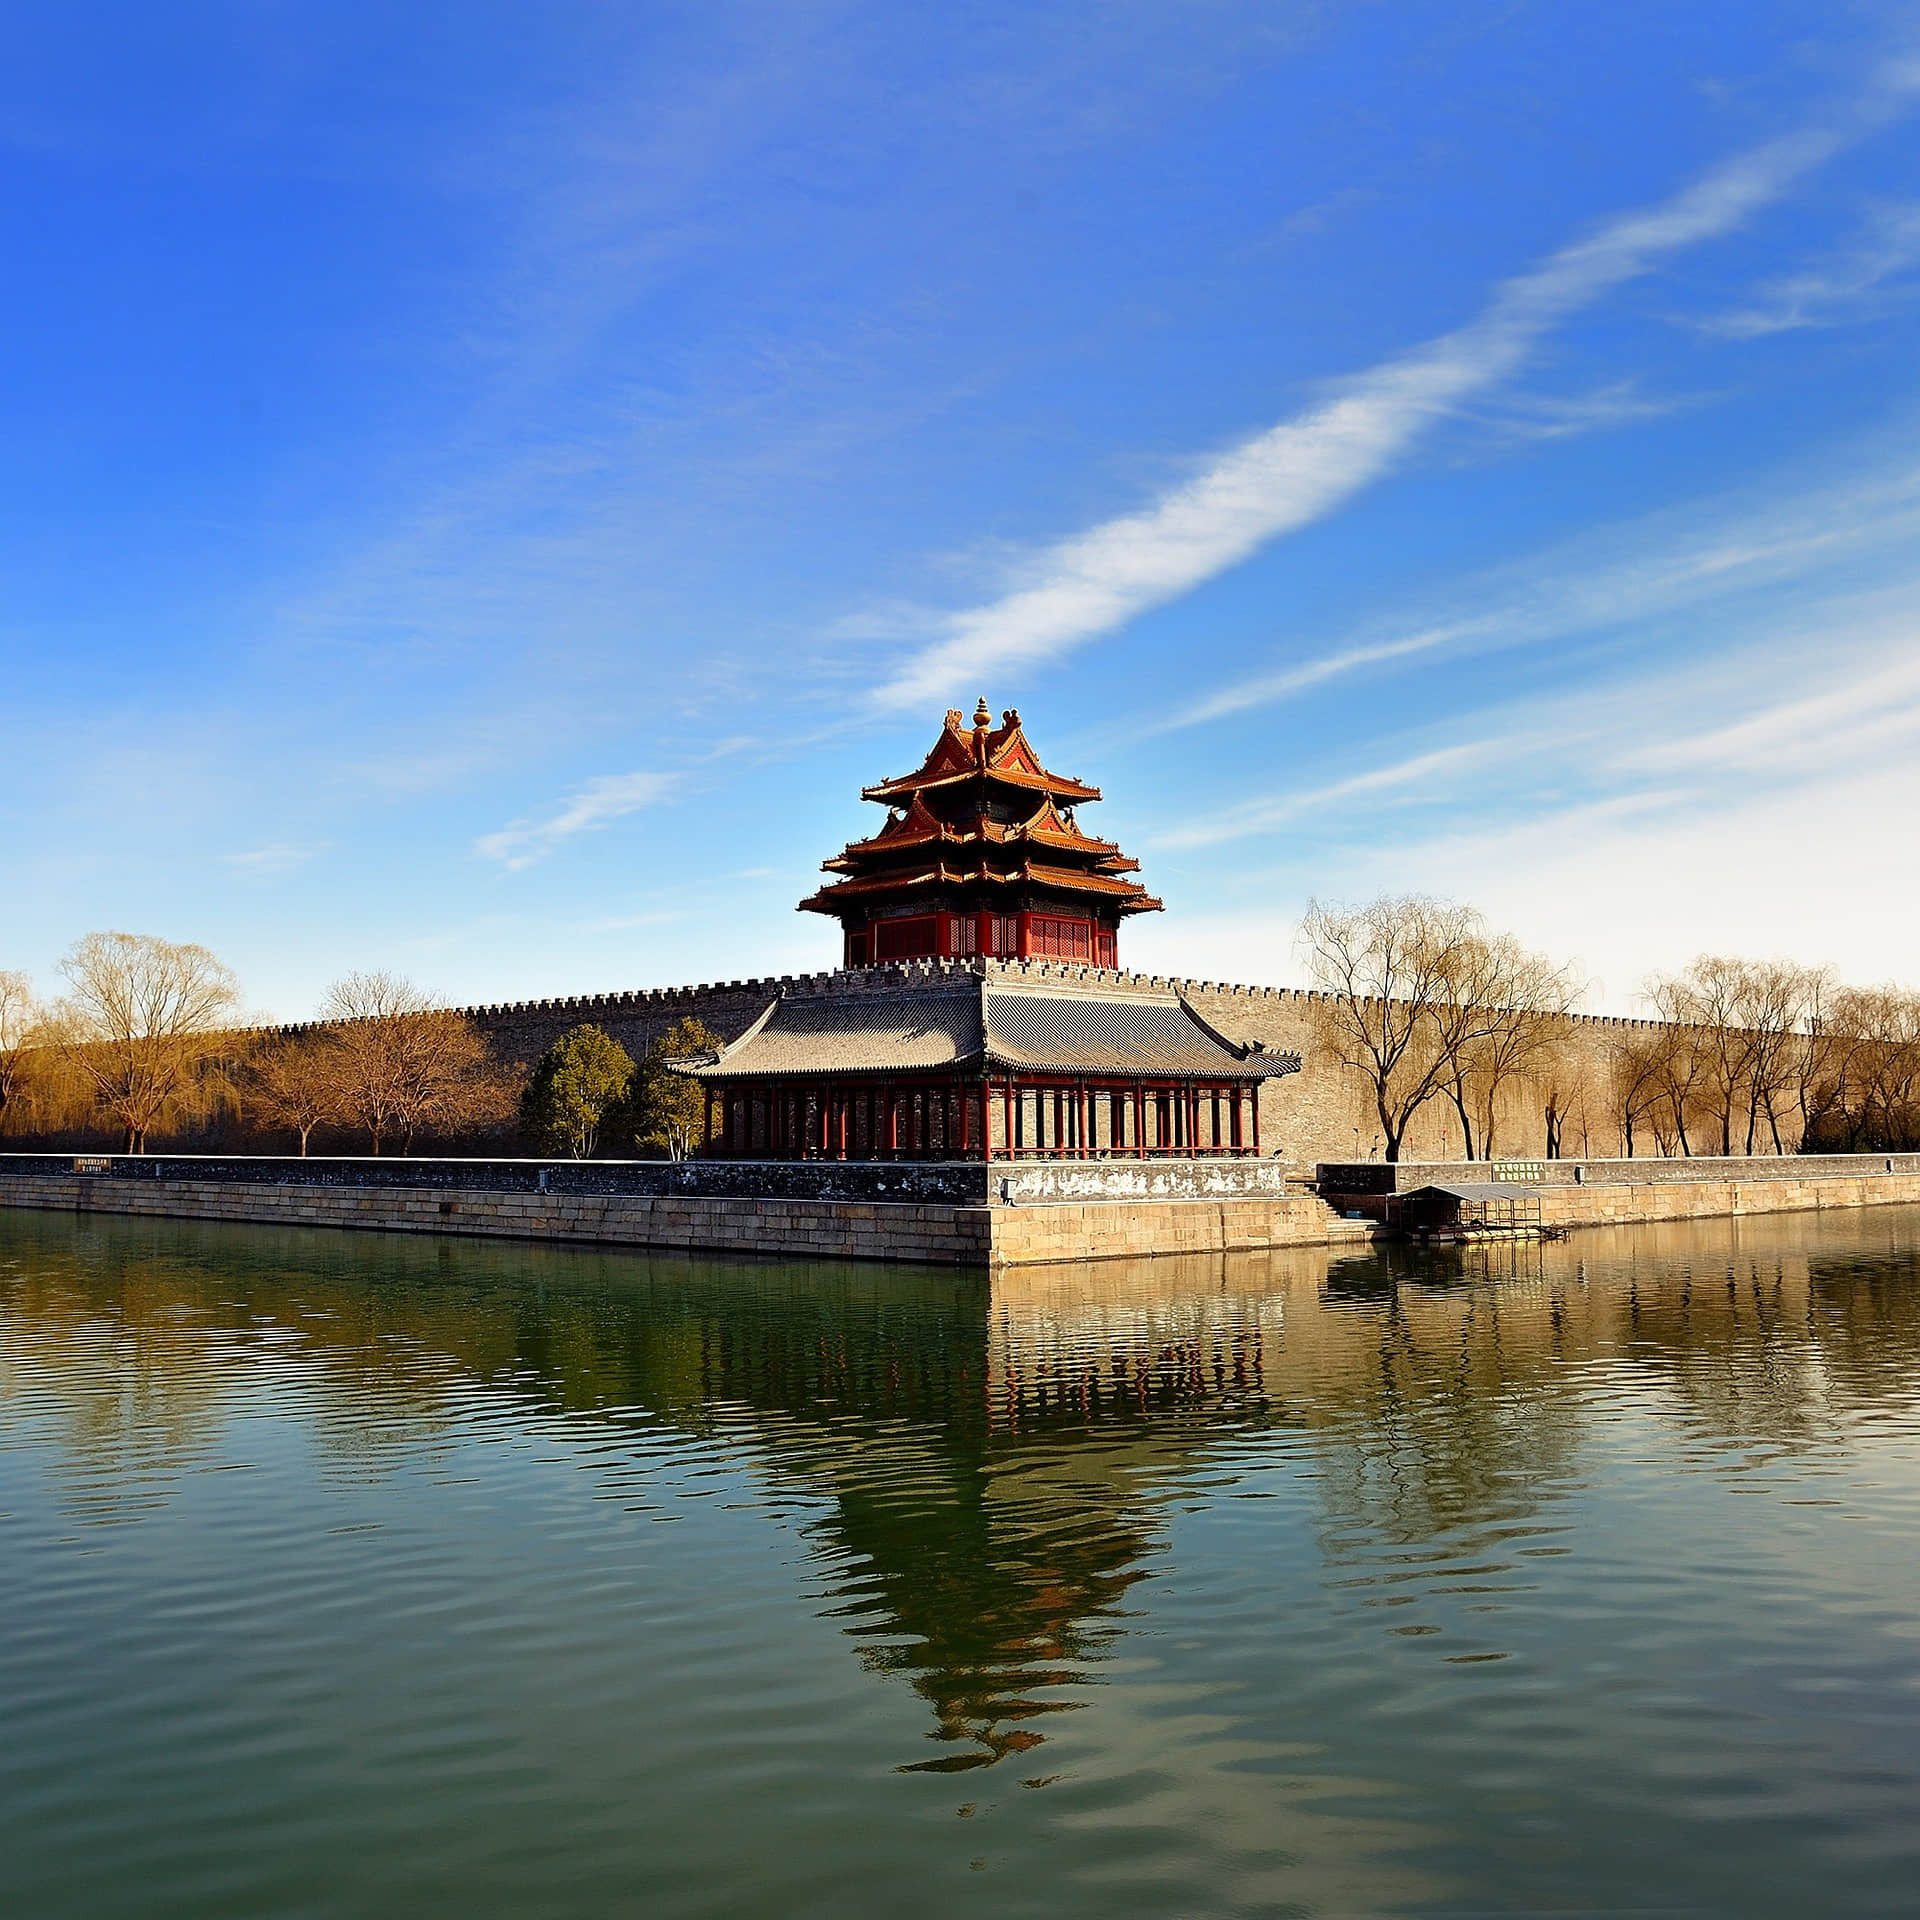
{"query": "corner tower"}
pixel 981 853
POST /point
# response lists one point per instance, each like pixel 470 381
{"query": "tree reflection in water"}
pixel 991 1466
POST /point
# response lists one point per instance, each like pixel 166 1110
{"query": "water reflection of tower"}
pixel 997 1461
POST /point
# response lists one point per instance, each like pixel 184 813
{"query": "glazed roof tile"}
pixel 1125 1035
pixel 980 1025
pixel 1130 893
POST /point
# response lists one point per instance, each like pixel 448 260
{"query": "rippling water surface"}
pixel 341 1574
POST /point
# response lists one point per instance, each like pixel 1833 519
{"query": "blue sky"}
pixel 484 486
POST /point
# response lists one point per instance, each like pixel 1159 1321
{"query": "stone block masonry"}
pixel 825 1229
pixel 939 1231
pixel 996 1231
pixel 1376 1177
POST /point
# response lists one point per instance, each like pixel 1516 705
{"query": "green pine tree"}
pixel 583 1076
pixel 663 1112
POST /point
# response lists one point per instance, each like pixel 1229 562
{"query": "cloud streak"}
pixel 597 804
pixel 1643 571
pixel 1841 287
pixel 269 861
pixel 1663 742
pixel 1305 467
pixel 1263 816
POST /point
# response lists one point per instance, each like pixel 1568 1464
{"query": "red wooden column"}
pixel 986 1122
pixel 1253 1096
pixel 1006 1113
pixel 706 1132
pixel 1140 1121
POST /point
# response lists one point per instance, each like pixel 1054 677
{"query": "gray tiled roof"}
pixel 924 1031
pixel 970 1023
pixel 1122 1034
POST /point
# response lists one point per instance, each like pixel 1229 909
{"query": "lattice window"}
pixel 906 939
pixel 1062 939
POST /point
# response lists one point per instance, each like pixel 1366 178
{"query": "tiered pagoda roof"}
pixel 981 823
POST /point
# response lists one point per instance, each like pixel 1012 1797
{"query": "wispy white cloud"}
pixel 1263 816
pixel 1623 887
pixel 1305 467
pixel 265 862
pixel 1838 690
pixel 597 804
pixel 1846 285
pixel 1620 403
pixel 1633 573
pixel 1751 803
pixel 1852 719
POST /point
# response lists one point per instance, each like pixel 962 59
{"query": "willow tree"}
pixel 1634 1068
pixel 136 1026
pixel 1501 1016
pixel 1755 1027
pixel 20 1020
pixel 1396 985
pixel 1877 1104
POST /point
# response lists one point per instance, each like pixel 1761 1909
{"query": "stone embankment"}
pixel 955 1213
pixel 1603 1193
pixel 951 1212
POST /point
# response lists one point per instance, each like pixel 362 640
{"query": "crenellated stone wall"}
pixel 1321 1113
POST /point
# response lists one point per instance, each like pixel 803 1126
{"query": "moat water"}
pixel 344 1575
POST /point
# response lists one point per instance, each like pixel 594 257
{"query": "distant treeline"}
pixel 1421 1003
pixel 148 1046
pixel 1424 1003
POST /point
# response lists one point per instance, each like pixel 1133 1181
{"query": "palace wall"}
pixel 1310 1116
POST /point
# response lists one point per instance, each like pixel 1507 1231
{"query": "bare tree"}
pixel 1522 1025
pixel 19 1018
pixel 136 1023
pixel 1709 998
pixel 402 1062
pixel 1634 1074
pixel 1772 1008
pixel 294 1083
pixel 1394 976
pixel 1682 1066
pixel 1879 1096
pixel 1467 986
pixel 1818 1065
pixel 1758 1035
